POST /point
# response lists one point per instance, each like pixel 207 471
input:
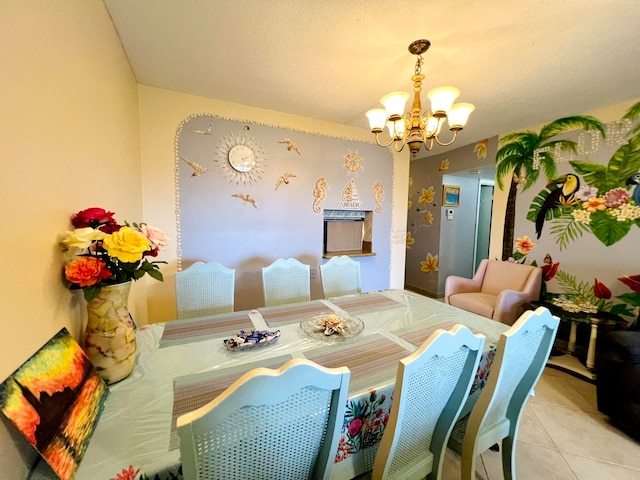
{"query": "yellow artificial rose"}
pixel 127 245
pixel 80 238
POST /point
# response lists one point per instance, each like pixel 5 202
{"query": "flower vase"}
pixel 110 339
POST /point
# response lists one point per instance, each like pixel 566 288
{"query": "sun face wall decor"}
pixel 240 158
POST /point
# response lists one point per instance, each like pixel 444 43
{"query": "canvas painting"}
pixel 55 399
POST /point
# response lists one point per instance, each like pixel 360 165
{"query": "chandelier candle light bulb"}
pixel 415 128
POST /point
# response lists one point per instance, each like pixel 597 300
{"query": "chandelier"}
pixel 418 129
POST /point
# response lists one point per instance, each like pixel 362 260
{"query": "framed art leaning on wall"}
pixel 450 196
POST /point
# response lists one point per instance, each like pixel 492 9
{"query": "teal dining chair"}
pixel 432 385
pixel 521 356
pixel 268 424
pixel 204 289
pixel 340 276
pixel 286 281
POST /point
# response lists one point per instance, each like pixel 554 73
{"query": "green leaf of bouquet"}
pixel 91 292
pixel 607 229
pixel 157 274
pixel 138 274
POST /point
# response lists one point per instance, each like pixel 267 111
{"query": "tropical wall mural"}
pixel 573 208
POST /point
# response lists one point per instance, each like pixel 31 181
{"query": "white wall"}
pixel 69 140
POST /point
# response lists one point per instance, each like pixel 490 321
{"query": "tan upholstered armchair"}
pixel 499 290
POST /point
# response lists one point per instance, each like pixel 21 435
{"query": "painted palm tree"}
pixel 516 157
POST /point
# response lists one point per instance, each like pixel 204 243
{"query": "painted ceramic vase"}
pixel 110 338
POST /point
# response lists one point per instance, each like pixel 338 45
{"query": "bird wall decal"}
pixel 284 179
pixel 290 145
pixel 246 198
pixel 564 194
pixel 635 180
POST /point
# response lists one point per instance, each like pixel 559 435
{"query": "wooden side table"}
pixel 569 362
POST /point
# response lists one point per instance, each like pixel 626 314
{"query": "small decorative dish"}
pixel 256 338
pixel 332 326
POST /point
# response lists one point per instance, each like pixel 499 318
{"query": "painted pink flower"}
pixel 355 426
pixel 616 197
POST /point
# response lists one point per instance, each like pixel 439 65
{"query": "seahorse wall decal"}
pixel 378 195
pixel 319 193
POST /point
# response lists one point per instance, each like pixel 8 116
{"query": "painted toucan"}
pixel 563 195
pixel 635 180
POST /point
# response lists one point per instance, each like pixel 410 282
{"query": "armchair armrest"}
pixel 510 303
pixel 454 284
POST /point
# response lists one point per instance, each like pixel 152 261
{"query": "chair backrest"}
pixel 286 281
pixel 340 276
pixel 283 424
pixel 432 385
pixel 204 289
pixel 501 276
pixel 522 353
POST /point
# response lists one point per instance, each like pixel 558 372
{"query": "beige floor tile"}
pixel 588 435
pixel 532 430
pixel 452 465
pixel 558 388
pixel 533 462
pixel 590 469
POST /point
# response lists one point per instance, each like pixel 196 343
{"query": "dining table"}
pixel 182 365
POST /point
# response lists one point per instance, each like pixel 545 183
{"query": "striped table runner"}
pixel 369 301
pixel 293 313
pixel 372 356
pixel 194 329
pixel 418 336
pixel 191 392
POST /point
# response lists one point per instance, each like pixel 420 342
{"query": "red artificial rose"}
pixel 92 217
pixel 549 271
pixel 600 290
pixel 632 281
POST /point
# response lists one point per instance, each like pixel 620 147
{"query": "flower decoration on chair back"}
pixel 100 251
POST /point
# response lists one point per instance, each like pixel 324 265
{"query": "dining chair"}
pixel 283 424
pixel 432 385
pixel 286 281
pixel 204 289
pixel 340 276
pixel 522 353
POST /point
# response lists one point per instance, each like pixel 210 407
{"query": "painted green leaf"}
pixel 565 228
pixel 592 173
pixel 607 229
pixel 630 298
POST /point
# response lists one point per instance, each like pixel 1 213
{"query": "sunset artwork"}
pixel 55 399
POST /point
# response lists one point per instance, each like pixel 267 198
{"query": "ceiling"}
pixel 520 62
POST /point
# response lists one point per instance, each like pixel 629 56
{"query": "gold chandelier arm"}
pixel 388 144
pixel 455 134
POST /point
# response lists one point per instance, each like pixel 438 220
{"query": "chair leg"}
pixel 468 469
pixel 508 458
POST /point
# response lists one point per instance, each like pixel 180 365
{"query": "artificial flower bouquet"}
pixel 100 251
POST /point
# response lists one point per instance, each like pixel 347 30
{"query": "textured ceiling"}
pixel 521 62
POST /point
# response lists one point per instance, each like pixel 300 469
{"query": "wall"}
pixel 163 111
pixel 433 243
pixel 69 140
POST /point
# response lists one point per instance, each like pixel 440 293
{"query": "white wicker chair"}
pixel 286 281
pixel 280 424
pixel 432 385
pixel 521 355
pixel 340 276
pixel 204 289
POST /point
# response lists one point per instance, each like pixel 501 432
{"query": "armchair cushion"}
pixel 498 290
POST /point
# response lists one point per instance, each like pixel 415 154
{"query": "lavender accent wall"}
pixel 213 224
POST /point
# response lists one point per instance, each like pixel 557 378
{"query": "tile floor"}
pixel 562 436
